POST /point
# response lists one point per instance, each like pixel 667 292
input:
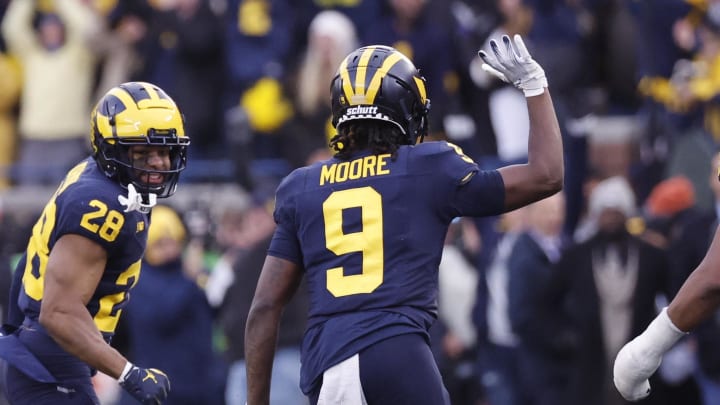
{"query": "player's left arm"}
pixel 73 272
pixel 279 280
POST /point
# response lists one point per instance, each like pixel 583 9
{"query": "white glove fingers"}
pixel 490 60
pixel 521 48
pixel 486 57
pixel 500 57
pixel 510 50
pixel 494 72
pixel 492 65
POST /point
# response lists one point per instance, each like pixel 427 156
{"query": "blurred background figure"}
pixel 542 371
pixel 331 35
pixel 680 101
pixel 422 31
pixel 260 50
pixel 456 347
pixel 169 321
pixel 498 372
pixel 668 211
pixel 58 66
pixel 10 85
pixel 251 243
pixel 182 50
pixel 602 292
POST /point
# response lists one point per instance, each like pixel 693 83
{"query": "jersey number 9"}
pixel 368 241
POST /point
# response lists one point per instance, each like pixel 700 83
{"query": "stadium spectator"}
pixel 456 348
pixel 258 227
pixel 542 374
pixel 58 68
pixel 497 343
pixel 422 31
pixel 364 15
pixel 600 293
pixel 10 85
pixel 330 36
pixel 169 320
pixel 115 44
pixel 259 47
pixel 182 51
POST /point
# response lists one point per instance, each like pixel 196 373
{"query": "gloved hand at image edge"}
pixel 515 65
pixel 641 357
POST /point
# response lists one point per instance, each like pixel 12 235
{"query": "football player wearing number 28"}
pixel 84 255
pixel 366 230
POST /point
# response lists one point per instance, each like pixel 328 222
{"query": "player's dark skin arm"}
pixel 74 269
pixel 279 280
pixel 699 297
pixel 543 175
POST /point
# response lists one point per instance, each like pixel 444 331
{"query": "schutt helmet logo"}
pixel 364 110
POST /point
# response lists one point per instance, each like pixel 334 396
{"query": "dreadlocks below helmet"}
pixel 138 113
pixel 379 83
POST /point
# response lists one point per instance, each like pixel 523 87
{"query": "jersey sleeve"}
pixel 483 194
pixel 446 162
pixel 285 243
pixel 458 185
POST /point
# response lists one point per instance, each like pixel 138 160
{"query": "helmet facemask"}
pixel 115 157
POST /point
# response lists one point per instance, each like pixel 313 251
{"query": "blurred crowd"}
pixel 534 304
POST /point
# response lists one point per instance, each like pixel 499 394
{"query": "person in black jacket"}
pixel 169 320
pixel 258 226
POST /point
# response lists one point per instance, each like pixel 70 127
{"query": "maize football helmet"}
pixel 380 83
pixel 138 113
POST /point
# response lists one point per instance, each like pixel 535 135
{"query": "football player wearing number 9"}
pixel 366 229
pixel 84 255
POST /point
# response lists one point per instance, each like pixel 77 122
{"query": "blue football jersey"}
pixel 369 233
pixel 86 204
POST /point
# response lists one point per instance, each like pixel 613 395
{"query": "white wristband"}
pixel 126 370
pixel 534 92
pixel 661 334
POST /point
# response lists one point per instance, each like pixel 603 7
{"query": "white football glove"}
pixel 640 357
pixel 515 65
pixel 134 201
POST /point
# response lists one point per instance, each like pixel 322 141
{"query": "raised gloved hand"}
pixel 515 65
pixel 134 201
pixel 640 357
pixel 150 386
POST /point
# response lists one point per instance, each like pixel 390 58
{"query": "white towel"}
pixel 341 384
